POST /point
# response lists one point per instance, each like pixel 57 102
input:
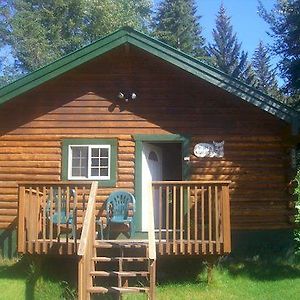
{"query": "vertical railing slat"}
pixel 167 221
pixel 189 248
pixel 21 218
pixel 44 230
pixel 37 218
pixel 174 221
pixel 203 241
pixel 226 219
pixel 67 192
pixel 210 219
pixel 75 219
pixel 51 199
pixel 59 203
pixel 30 220
pixel 217 220
pixel 181 220
pixel 160 245
pixel 196 220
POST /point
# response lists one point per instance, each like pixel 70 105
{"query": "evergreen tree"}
pixel 226 50
pixel 177 24
pixel 265 76
pixel 284 21
pixel 105 16
pixel 40 31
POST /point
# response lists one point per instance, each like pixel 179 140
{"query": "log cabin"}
pixel 207 157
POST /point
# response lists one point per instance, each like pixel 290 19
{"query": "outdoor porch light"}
pixel 123 96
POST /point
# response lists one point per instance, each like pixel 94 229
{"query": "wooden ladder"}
pixel 122 267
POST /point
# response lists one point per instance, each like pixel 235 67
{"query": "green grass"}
pixel 244 279
pixel 177 279
pixel 26 279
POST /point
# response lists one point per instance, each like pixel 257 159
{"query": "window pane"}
pixel 79 161
pixel 79 152
pixel 95 152
pixel 95 162
pixel 75 171
pixel 104 152
pixel 95 172
pixel 104 162
pixel 76 162
pixel 104 172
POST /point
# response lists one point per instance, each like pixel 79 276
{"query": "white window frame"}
pixel 89 177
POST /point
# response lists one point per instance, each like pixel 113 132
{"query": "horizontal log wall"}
pixel 83 104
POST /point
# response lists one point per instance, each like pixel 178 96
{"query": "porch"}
pixel 190 217
pixel 183 218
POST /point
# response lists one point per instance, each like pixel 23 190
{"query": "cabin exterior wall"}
pixel 83 104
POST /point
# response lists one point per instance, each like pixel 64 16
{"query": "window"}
pixel 90 160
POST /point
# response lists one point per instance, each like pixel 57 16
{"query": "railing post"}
pixel 151 233
pixel 152 244
pixel 21 220
pixel 226 219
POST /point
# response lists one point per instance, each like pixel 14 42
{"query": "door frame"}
pixel 184 140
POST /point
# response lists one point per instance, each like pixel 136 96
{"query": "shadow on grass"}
pixel 260 269
pixel 179 269
pixel 31 268
pixel 193 269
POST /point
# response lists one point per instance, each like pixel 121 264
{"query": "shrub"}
pixel 297 217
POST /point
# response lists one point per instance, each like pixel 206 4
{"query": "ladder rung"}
pixel 103 244
pixel 129 289
pixel 98 290
pixel 121 273
pixel 127 259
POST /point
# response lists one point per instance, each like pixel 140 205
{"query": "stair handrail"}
pixel 86 243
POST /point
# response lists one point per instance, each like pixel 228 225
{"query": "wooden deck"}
pixel 192 218
pixel 184 247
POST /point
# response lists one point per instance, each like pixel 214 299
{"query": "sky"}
pixel 250 27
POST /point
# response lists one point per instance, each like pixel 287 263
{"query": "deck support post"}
pixel 210 262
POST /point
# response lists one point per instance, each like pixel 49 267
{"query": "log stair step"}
pixel 100 244
pixel 98 290
pixel 119 273
pixel 103 290
pixel 126 259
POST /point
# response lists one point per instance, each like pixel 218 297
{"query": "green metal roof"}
pixel 161 50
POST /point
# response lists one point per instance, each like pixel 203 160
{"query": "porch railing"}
pixel 192 217
pixel 50 214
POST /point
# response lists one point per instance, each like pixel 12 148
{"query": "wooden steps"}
pixel 121 267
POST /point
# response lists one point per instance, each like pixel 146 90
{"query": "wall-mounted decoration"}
pixel 213 149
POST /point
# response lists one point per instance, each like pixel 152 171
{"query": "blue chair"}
pixel 60 216
pixel 120 209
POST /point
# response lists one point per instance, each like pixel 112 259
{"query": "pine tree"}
pixel 226 50
pixel 265 75
pixel 284 22
pixel 177 24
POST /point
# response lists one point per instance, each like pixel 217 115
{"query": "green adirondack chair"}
pixel 120 209
pixel 57 211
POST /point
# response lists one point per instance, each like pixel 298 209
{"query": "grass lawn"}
pixel 232 279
